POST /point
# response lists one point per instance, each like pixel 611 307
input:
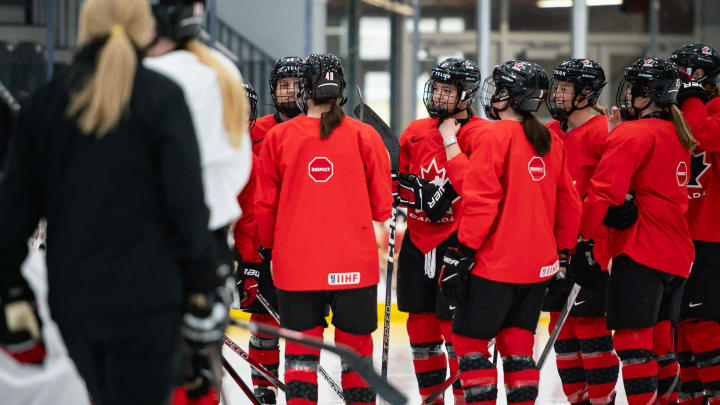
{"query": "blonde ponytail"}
pixel 100 104
pixel 234 100
pixel 682 128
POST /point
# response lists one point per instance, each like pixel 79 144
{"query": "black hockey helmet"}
pixel 461 73
pixel 289 66
pixel 698 56
pixel 253 103
pixel 323 79
pixel 654 78
pixel 587 78
pixel 178 20
pixel 524 85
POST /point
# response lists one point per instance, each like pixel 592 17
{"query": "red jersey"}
pixel 584 146
pixel 644 156
pixel 246 237
pixel 262 126
pixel 704 185
pixel 519 208
pixel 317 200
pixel 422 153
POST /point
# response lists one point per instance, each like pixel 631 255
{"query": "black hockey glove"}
pixel 583 269
pixel 457 264
pixel 20 325
pixel 207 315
pixel 691 88
pixel 622 216
pixel 418 193
pixel 247 280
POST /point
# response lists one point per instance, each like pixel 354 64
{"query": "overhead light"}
pixel 569 3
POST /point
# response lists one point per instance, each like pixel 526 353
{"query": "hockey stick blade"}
pixel 253 363
pixel 251 396
pixel 366 114
pixel 362 367
pixel 335 387
pixel 558 325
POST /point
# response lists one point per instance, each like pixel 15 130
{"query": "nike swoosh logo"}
pixel 691 305
pixel 258 141
pixel 413 140
pixel 578 303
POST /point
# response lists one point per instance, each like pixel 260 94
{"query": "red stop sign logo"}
pixel 536 167
pixel 320 169
pixel 682 174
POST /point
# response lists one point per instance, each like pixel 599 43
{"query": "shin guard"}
pixel 704 338
pixel 355 389
pixel 639 368
pixel 446 329
pixel 428 357
pixel 569 361
pixel 598 358
pixel 301 364
pixel 265 349
pixel 668 368
pixel 478 375
pixel 691 388
pixel 521 374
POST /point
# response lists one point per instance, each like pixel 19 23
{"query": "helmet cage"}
pixel 253 104
pixel 285 104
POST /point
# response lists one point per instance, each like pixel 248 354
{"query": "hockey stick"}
pixel 450 381
pixel 253 363
pixel 368 116
pixel 559 324
pixel 321 370
pixel 251 396
pixel 346 354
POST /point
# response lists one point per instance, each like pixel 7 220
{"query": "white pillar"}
pixel 483 37
pixel 579 36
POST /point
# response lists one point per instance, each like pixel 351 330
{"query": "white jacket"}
pixel 225 170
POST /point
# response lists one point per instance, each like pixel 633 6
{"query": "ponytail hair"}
pixel 682 128
pixel 234 101
pixel 598 108
pixel 100 103
pixel 537 134
pixel 330 120
pixel 713 90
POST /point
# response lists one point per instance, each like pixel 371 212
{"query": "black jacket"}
pixel 120 209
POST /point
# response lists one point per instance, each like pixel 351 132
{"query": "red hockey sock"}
pixel 521 374
pixel 301 365
pixel 428 357
pixel 355 389
pixel 569 360
pixel 639 368
pixel 598 359
pixel 704 338
pixel 668 367
pixel 265 349
pixel 477 374
pixel 446 329
pixel 691 388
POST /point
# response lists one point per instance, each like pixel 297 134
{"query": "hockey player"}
pixel 433 159
pixel 648 156
pixel 312 168
pixel 106 152
pixel 283 80
pixel 253 275
pixel 213 91
pixel 254 271
pixel 517 193
pixel 698 330
pixel 587 365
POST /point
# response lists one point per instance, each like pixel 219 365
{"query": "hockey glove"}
pixel 247 280
pixel 20 325
pixel 622 216
pixel 583 269
pixel 203 374
pixel 418 193
pixel 457 264
pixel 691 88
pixel 206 316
